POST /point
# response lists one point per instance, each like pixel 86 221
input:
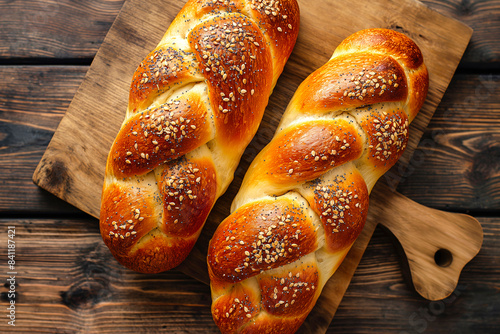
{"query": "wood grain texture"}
pixel 71 30
pixel 437 244
pixel 482 17
pixel 82 290
pixel 33 101
pixel 45 29
pixel 460 150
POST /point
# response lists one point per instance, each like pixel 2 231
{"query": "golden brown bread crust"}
pixel 195 103
pixel 281 306
pixel 387 130
pixel 263 224
pixel 304 199
pixel 160 71
pixel 225 48
pixel 305 151
pixel 372 78
pixel 341 206
pixel 152 137
pixel 402 49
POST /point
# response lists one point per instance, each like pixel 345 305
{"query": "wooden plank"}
pixel 83 290
pixel 483 17
pixel 460 151
pixel 61 29
pixel 65 29
pixel 33 101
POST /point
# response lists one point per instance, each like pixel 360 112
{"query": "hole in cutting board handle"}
pixel 443 257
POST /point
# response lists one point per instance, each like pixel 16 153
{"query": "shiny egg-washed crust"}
pixel 304 199
pixel 195 103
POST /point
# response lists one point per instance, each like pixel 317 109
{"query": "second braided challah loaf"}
pixel 304 199
pixel 195 103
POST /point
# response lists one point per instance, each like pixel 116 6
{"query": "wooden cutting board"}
pixel 72 168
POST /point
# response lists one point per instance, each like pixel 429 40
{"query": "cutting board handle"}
pixel 437 244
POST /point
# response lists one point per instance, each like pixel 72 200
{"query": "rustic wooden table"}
pixel 67 282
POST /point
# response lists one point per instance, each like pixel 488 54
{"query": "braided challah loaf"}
pixel 304 199
pixel 195 103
